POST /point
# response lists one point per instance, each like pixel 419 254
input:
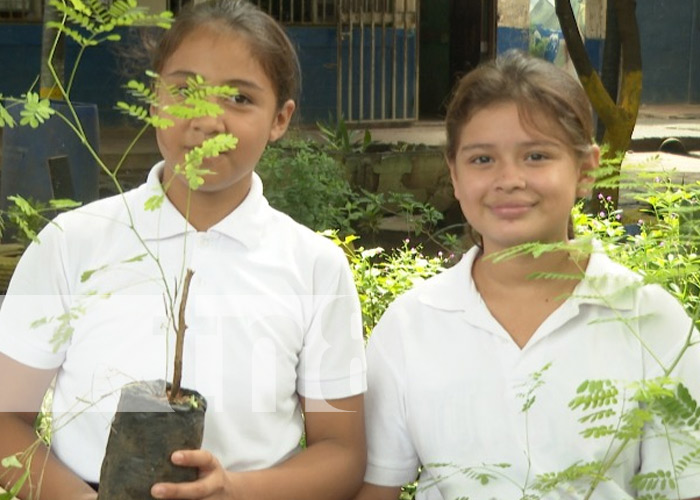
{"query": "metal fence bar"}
pixel 394 62
pixel 384 36
pixel 361 96
pixel 405 59
pixel 379 86
pixel 339 59
pixel 350 62
pixel 416 64
pixel 373 72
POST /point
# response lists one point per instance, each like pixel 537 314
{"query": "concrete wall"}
pixel 513 22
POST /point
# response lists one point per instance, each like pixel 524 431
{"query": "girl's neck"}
pixel 522 270
pixel 520 300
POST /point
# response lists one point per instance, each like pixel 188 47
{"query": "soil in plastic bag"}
pixel 145 431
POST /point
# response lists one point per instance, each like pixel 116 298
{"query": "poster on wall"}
pixel 546 38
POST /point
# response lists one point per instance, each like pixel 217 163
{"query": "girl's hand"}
pixel 213 482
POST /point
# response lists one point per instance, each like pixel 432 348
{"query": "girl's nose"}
pixel 510 176
pixel 208 126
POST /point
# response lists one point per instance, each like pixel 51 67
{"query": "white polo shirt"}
pixel 272 313
pixel 447 385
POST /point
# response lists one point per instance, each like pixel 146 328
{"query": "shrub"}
pixel 307 184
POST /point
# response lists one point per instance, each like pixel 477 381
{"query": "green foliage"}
pixel 154 202
pixel 538 44
pixel 13 462
pixel 676 407
pixel 307 184
pixel 654 480
pixel 6 119
pixel 338 137
pixel 594 394
pixel 23 220
pixel 366 210
pixel 91 22
pixel 665 250
pixel 210 148
pixel 576 473
pixel 302 180
pixel 536 380
pixel 381 276
pixel 36 111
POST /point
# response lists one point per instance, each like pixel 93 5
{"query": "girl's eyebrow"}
pixel 236 82
pixel 526 144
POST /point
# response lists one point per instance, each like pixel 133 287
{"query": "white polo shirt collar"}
pixel 245 224
pixel 605 283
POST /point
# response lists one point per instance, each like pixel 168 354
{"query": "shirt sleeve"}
pixel 671 447
pixel 332 361
pixel 34 317
pixel 391 457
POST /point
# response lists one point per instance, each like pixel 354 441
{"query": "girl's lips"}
pixel 511 210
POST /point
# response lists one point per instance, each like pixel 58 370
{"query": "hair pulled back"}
pixel 537 87
pixel 268 42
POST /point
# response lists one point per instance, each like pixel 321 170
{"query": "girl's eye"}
pixel 536 156
pixel 480 160
pixel 240 99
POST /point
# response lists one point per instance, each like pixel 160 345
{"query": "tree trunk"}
pixel 610 70
pixel 617 112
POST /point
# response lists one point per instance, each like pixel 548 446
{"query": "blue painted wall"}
pixel 508 37
pixel 317 55
pixel 518 38
pixel 670 37
pixel 100 76
pixel 104 69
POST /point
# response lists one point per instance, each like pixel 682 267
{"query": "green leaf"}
pixel 86 275
pixel 154 202
pixel 14 490
pixel 64 203
pixel 36 111
pixel 39 322
pixel 210 148
pixel 138 258
pixel 79 6
pixel 23 204
pixel 11 462
pixel 5 117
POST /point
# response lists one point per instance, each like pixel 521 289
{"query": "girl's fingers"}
pixel 201 459
pixel 202 487
pixel 194 490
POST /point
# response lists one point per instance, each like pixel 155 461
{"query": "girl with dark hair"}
pixel 274 337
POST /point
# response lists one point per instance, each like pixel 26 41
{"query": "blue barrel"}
pixel 26 153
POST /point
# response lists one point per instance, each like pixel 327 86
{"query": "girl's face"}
pixel 516 185
pixel 222 58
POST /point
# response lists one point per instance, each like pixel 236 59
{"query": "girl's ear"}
pixel 589 164
pixel 282 120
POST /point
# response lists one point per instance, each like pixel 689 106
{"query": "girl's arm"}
pixel 330 468
pixel 21 395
